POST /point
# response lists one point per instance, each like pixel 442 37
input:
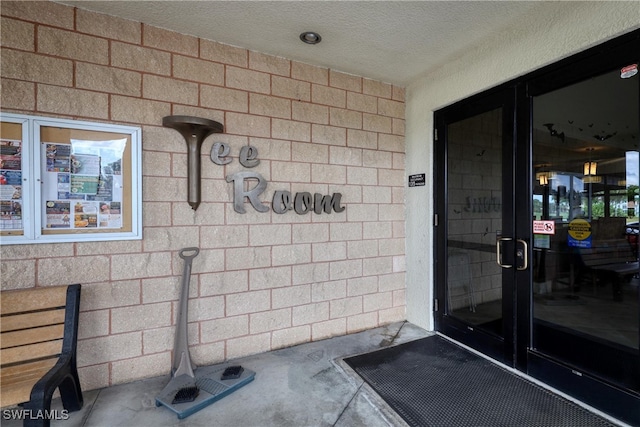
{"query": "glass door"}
pixel 477 262
pixel 585 180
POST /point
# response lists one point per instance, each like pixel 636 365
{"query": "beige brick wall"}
pixel 262 281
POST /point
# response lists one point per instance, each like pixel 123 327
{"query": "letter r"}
pixel 239 192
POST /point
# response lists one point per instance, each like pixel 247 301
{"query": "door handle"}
pixel 499 251
pixel 523 254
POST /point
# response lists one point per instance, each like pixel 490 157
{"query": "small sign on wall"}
pixel 417 180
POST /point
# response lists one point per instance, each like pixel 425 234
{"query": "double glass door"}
pixel 538 209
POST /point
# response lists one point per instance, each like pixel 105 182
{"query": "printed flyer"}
pixel 58 157
pixel 10 185
pixel 58 214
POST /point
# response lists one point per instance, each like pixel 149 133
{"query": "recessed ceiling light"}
pixel 310 37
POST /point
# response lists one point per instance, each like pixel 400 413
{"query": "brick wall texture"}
pixel 262 280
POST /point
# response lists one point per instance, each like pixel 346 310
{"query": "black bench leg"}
pixel 38 412
pixel 71 393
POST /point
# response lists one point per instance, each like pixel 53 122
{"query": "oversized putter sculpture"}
pixel 194 130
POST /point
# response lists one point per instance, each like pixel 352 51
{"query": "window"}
pixel 68 181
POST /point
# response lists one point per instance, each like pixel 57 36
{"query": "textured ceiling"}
pixel 392 41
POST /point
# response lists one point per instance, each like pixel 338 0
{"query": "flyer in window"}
pixel 83 184
pixel 10 184
pixel 85 214
pixel 11 215
pixel 10 170
pixel 63 186
pixel 85 174
pixel 58 214
pixel 110 214
pixel 10 154
pixel 58 157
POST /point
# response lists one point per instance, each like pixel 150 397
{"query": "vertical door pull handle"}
pixel 499 251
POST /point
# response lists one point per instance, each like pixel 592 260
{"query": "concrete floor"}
pixel 305 385
pixel 308 385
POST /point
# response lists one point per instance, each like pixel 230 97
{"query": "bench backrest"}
pixel 607 252
pixel 33 323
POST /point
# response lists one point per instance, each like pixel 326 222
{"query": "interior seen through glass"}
pixel 585 209
pixel 585 201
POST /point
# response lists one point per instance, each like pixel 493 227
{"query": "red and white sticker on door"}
pixel 544 227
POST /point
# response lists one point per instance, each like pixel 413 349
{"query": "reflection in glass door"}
pixel 474 279
pixel 476 296
pixel 585 222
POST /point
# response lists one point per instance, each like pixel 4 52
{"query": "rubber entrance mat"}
pixel 433 382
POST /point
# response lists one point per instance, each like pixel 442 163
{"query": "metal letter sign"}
pixel 239 192
pixel 282 201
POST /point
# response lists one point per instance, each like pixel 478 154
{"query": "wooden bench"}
pixel 610 261
pixel 38 350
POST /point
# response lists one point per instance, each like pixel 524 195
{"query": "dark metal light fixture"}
pixel 310 37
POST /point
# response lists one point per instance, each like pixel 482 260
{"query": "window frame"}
pixel 34 218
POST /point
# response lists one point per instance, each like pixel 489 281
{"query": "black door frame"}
pixel 590 389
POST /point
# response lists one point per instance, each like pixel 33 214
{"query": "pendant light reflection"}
pixel 544 175
pixel 543 179
pixel 590 168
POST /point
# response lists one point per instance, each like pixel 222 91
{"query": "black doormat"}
pixel 433 382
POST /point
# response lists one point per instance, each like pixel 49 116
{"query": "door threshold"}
pixel 539 383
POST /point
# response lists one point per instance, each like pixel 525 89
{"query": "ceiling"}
pixel 391 41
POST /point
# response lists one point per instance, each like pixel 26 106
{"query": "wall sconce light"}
pixel 194 130
pixel 590 168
